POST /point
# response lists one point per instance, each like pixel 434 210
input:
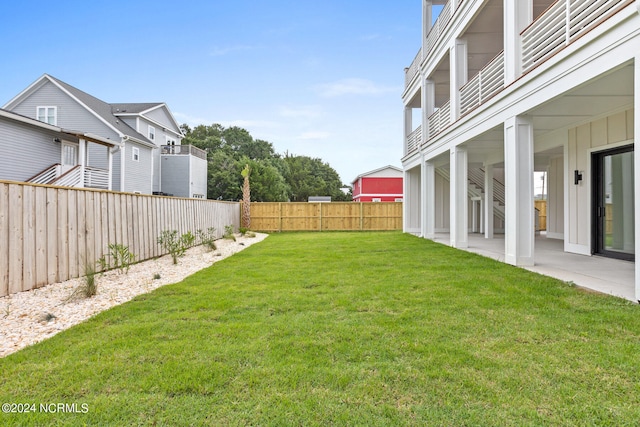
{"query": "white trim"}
pixel 46 114
pixel 554 235
pixel 380 195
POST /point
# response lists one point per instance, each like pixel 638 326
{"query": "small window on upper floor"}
pixel 152 133
pixel 48 115
pixel 170 141
pixel 135 154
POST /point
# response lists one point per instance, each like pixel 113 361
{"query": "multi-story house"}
pixel 379 185
pixel 148 157
pixel 501 89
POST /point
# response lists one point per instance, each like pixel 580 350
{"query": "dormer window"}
pixel 152 133
pixel 47 115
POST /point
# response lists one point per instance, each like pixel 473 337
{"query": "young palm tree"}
pixel 246 198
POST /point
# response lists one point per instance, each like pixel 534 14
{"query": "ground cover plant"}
pixel 343 329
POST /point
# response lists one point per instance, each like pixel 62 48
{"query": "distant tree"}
pixel 273 177
pixel 312 177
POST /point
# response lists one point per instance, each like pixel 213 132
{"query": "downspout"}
pixel 122 161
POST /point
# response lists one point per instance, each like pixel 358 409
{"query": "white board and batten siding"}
pixel 49 234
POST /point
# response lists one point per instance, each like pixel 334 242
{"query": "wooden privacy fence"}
pixel 49 234
pixel 541 205
pixel 326 216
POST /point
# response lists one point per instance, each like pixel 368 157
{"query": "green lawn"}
pixel 323 329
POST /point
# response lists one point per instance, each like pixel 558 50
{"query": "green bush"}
pixel 176 246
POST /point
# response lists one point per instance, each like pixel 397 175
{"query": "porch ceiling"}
pixel 597 98
pixel 608 93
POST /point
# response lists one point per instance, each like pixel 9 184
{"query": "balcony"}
pixel 414 139
pixel 488 82
pixel 440 119
pixel 184 150
pixel 561 24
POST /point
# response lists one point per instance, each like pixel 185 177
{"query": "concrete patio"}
pixel 605 275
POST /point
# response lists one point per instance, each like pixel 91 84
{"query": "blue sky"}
pixel 317 78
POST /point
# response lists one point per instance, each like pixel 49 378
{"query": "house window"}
pixel 376 199
pixel 48 115
pixel 398 199
pixel 152 133
pixel 171 141
pixel 136 154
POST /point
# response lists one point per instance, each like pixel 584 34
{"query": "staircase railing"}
pixel 46 176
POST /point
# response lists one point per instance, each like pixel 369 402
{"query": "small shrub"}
pixel 90 286
pixel 176 246
pixel 208 238
pixel 120 255
pixel 228 233
pixel 243 230
pixel 249 234
pixel 7 308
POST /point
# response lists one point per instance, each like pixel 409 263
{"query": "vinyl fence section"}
pixel 49 234
pixel 348 216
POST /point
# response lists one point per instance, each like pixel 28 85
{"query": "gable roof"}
pixel 144 108
pixel 394 169
pixel 97 107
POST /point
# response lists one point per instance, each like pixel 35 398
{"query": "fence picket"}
pixel 51 233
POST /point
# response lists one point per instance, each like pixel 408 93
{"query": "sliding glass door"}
pixel 614 203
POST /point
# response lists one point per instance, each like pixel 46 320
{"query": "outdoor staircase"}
pixel 52 176
pixel 475 188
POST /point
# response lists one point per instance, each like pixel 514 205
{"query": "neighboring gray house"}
pixel 59 156
pixel 142 131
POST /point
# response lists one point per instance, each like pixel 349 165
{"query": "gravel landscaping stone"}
pixel 32 316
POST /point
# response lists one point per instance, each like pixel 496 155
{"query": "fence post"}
pixel 320 206
pixel 280 219
pixel 361 217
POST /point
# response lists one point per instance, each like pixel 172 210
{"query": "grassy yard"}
pixel 364 329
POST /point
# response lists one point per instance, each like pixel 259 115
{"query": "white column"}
pixel 427 18
pixel 636 162
pixel 110 168
pixel 458 74
pixel 474 215
pixel 429 200
pixel 517 15
pixel 82 153
pixel 408 127
pixel 519 206
pixel 428 106
pixel 488 202
pixel 406 201
pixel 459 218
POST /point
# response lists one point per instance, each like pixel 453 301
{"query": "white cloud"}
pixel 353 87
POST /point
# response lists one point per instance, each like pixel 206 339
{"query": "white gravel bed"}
pixel 32 316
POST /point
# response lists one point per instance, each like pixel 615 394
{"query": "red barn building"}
pixel 379 185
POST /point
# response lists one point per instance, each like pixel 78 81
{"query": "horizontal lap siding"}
pixel 51 234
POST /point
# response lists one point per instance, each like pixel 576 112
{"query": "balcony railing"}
pixel 440 119
pixel 411 72
pixel 414 139
pixel 184 150
pixel 488 82
pixel 96 178
pixel 438 27
pixel 562 23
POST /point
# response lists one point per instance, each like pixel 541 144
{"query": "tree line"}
pixel 274 177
